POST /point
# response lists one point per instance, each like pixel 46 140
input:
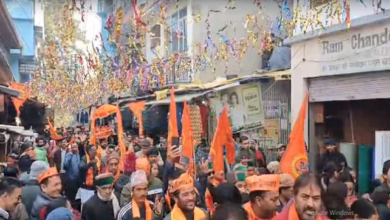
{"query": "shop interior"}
pixel 353 123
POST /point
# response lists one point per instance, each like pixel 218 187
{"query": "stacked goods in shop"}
pixel 196 122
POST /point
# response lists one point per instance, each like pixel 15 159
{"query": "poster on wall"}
pixel 244 105
pixel 272 127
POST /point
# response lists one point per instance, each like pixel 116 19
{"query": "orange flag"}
pixel 295 160
pixel 187 132
pixel 187 138
pixel 219 140
pixel 120 134
pixel 18 102
pixel 137 108
pixel 172 120
pixel 53 133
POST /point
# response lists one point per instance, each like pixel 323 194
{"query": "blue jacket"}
pixel 71 165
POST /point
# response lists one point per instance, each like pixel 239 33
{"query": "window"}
pixel 316 3
pixel 155 36
pixel 178 31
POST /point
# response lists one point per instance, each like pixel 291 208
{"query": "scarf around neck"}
pixel 115 203
pixel 177 214
pixel 136 213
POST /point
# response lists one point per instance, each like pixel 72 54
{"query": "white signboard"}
pixel 359 51
pixel 382 150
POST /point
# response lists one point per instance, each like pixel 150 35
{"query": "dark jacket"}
pixel 383 211
pixel 57 159
pixel 29 194
pixel 41 201
pixel 126 213
pixel 84 167
pixel 336 157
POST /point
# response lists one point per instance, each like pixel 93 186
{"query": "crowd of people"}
pixel 69 179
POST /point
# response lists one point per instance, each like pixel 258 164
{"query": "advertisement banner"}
pixel 244 105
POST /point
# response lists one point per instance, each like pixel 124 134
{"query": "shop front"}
pixel 347 75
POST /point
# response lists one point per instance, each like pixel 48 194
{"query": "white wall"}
pixel 38 14
pixel 323 13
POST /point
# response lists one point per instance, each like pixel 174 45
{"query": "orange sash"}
pixel 177 214
pixel 90 177
pixel 135 210
pixel 251 215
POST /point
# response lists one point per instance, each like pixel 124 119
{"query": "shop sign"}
pixel 244 104
pixel 362 50
pixel 27 66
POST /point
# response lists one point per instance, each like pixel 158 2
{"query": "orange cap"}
pixel 267 182
pixel 185 181
pixel 48 173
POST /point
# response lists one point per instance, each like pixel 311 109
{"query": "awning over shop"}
pixel 10 91
pixel 18 130
pixel 197 89
pixel 178 98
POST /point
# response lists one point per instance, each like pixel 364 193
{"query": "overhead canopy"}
pixel 10 91
pixel 178 98
pixel 18 130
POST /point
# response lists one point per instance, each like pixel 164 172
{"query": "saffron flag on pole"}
pixel 172 119
pixel 294 160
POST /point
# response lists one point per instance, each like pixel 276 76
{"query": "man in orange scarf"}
pixel 306 203
pixel 184 194
pixel 90 167
pixel 140 207
pixel 263 195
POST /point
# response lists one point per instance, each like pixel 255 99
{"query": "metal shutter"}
pixel 373 85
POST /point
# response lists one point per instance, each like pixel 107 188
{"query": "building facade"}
pixel 199 22
pixel 10 40
pixel 24 13
pixel 345 69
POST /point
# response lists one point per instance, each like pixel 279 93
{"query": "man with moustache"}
pixel 184 194
pixel 306 203
pixel 140 207
pixel 263 196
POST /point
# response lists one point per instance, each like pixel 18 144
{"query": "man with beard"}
pixel 306 202
pixel 263 196
pixel 331 155
pixel 184 194
pixel 40 150
pixel 104 204
pixel 140 207
pixel 10 194
pixel 51 187
pixel 102 147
